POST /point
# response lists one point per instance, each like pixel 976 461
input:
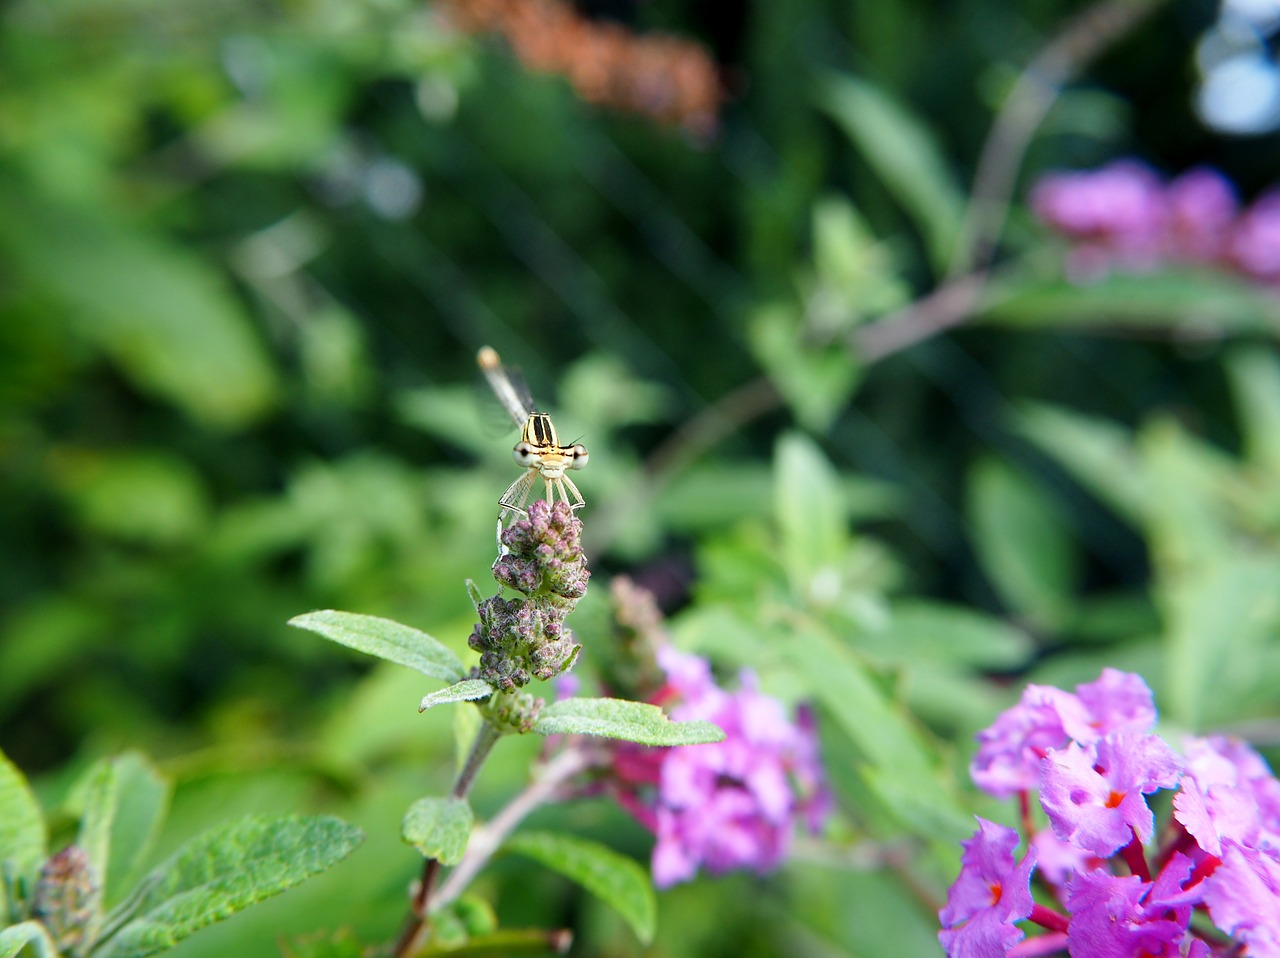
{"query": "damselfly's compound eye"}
pixel 524 455
pixel 579 454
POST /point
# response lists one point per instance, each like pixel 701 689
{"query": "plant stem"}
pixel 486 840
pixel 416 925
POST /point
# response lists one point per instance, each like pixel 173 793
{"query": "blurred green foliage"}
pixel 247 252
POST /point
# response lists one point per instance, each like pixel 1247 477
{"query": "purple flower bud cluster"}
pixel 1093 759
pixel 67 896
pixel 1125 216
pixel 729 805
pixel 525 638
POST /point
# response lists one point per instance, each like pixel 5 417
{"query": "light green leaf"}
pixel 438 827
pixel 225 870
pixel 386 639
pixel 23 839
pixel 613 878
pixel 1255 380
pixel 1187 301
pixel 1022 543
pixel 815 380
pixel 169 318
pixel 13 938
pixel 141 805
pixel 98 788
pixel 924 631
pixel 468 690
pixel 621 719
pixel 904 154
pixel 809 509
pixel 1220 619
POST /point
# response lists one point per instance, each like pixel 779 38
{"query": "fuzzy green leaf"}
pixel 13 938
pixel 468 690
pixel 386 639
pixel 438 827
pixel 23 840
pixel 613 878
pixel 621 719
pixel 225 870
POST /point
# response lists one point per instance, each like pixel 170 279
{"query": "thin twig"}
pixel 485 841
pixel 1028 102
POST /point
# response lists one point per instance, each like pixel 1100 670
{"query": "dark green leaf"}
pixel 920 631
pixel 170 321
pixel 386 639
pixel 438 827
pixel 468 690
pixel 904 154
pixel 1023 545
pixel 223 871
pixel 613 878
pixel 621 719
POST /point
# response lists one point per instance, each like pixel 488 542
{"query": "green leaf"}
pixel 15 937
pixel 468 690
pixel 815 380
pixel 1022 543
pixel 100 796
pixel 904 154
pixel 386 639
pixel 23 840
pixel 438 827
pixel 1255 380
pixel 613 878
pixel 810 512
pixel 621 719
pixel 1191 302
pixel 225 870
pixel 141 805
pixel 505 944
pixel 1100 454
pixel 167 317
pixel 924 631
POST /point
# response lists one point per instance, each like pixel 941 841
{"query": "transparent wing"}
pixel 507 384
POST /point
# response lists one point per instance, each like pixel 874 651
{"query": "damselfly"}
pixel 539 451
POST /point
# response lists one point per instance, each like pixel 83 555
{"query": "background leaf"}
pixel 615 879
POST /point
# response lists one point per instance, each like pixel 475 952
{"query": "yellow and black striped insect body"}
pixel 539 451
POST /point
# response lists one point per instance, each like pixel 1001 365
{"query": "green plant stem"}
pixel 416 925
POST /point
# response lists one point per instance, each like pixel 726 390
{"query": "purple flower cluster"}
pixel 730 805
pixel 1093 759
pixel 1124 216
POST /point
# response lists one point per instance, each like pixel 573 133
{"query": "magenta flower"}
pixel 1228 792
pixel 1094 796
pixel 1256 244
pixel 1011 749
pixel 990 894
pixel 1125 917
pixel 1243 896
pixel 729 805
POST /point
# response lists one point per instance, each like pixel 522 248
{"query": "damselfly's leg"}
pixel 578 502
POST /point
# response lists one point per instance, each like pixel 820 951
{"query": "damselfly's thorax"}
pixel 539 451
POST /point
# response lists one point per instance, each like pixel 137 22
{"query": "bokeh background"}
pixel 838 404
